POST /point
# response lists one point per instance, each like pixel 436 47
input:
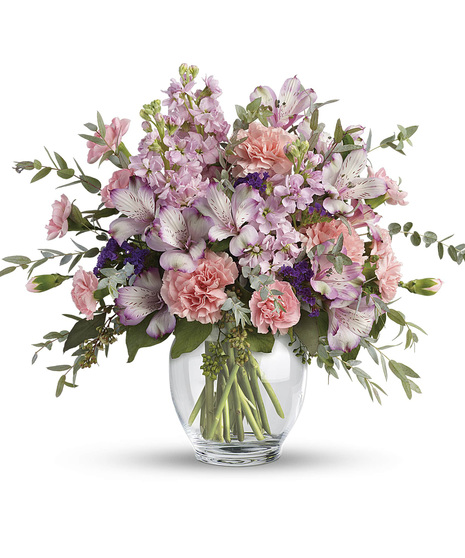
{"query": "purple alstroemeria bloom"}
pixel 180 236
pixel 348 324
pixel 342 182
pixel 138 203
pixel 293 100
pixel 340 288
pixel 142 299
pixel 228 215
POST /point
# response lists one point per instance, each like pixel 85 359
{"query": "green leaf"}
pixel 91 127
pixel 260 342
pixel 7 270
pixel 254 105
pixel 411 130
pixel 220 245
pixel 241 113
pixel 394 228
pixel 59 367
pixel 407 227
pixel 307 332
pixel 405 370
pixel 66 174
pixel 101 125
pixel 440 250
pixel 189 335
pixel 91 253
pixel 407 389
pixel 338 132
pixel 60 385
pixel 452 253
pixel 41 174
pixel 91 184
pixel 76 260
pixel 314 120
pixel 429 237
pixel 19 260
pixel 396 317
pixel 415 239
pixel 83 331
pixel 61 162
pixel 137 338
pixel 93 139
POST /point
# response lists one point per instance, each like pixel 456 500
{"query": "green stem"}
pixel 249 416
pixel 197 407
pixel 226 423
pixel 219 431
pixel 247 389
pixel 211 427
pixel 237 405
pixel 268 388
pixel 259 399
pixel 209 407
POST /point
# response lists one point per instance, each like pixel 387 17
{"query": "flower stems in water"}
pixel 231 394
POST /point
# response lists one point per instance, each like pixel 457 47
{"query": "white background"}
pixel 106 469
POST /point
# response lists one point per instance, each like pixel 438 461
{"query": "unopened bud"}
pixel 194 71
pixel 425 287
pixel 43 283
pixel 183 68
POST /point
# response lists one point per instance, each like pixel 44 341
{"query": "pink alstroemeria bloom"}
pixel 180 236
pixel 114 132
pixel 143 298
pixel 58 224
pixel 228 215
pixel 348 324
pixel 340 288
pixel 342 182
pixel 293 100
pixel 394 195
pixel 138 203
pixel 252 247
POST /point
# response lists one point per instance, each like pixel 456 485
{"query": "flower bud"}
pixel 425 287
pixel 43 283
pixel 183 68
pixel 194 71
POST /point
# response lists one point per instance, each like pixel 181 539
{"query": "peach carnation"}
pixel 199 296
pixel 264 313
pixel 321 232
pixel 263 150
pixel 84 285
pixel 388 274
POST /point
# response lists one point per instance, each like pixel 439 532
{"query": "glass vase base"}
pixel 244 453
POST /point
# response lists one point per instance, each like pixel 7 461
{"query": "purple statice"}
pixel 299 277
pixel 108 254
pixel 132 255
pixel 317 208
pixel 135 256
pixel 255 180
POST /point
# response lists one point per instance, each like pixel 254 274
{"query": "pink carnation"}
pixel 382 247
pixel 389 275
pixel 84 285
pixel 199 296
pixel 263 150
pixel 58 224
pixel 321 232
pixel 118 181
pixel 114 132
pixel 395 196
pixel 264 313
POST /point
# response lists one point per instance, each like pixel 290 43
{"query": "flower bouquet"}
pixel 249 243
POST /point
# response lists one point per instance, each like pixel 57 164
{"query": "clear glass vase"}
pixel 241 414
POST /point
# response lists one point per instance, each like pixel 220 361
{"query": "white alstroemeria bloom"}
pixel 342 181
pixel 228 215
pixel 349 324
pixel 137 202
